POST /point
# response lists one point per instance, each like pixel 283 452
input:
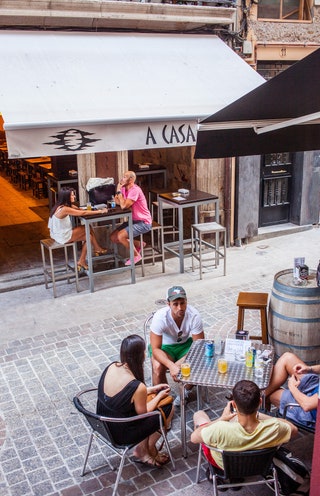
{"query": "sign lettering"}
pixel 170 135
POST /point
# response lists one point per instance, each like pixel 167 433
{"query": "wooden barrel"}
pixel 294 317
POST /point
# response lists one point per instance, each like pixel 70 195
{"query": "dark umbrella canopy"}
pixel 292 94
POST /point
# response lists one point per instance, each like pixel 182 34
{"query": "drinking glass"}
pixel 222 365
pixel 185 369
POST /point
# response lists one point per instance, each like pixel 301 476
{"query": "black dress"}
pixel 121 405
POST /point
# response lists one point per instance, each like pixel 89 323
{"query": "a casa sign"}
pixel 80 138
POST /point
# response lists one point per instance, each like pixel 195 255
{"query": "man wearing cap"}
pixel 173 329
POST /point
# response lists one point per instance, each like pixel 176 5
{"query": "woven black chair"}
pixel 100 430
pixel 240 467
pixel 307 428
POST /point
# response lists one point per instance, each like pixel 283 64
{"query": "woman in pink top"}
pixel 130 195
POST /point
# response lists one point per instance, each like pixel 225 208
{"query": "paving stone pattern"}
pixel 43 438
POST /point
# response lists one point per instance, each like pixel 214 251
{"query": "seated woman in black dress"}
pixel 123 393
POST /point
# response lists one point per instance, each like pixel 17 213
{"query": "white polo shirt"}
pixel 164 325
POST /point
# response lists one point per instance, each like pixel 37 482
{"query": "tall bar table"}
pixel 112 215
pixel 151 171
pixel 204 372
pixel 194 200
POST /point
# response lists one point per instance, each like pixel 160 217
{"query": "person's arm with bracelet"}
pixel 301 368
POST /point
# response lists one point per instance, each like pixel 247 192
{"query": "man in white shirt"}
pixel 173 329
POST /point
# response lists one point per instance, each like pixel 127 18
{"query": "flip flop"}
pixel 150 462
pixel 82 268
pixel 162 458
pixel 100 252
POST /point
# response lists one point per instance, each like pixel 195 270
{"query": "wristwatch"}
pixel 118 192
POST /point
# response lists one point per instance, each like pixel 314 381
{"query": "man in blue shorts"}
pixel 302 388
pixel 130 195
pixel 173 329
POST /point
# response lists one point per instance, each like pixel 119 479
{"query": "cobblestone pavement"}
pixel 52 348
pixel 44 438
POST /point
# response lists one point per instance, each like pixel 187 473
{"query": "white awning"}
pixel 65 93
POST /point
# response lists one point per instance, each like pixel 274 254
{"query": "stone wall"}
pixel 286 32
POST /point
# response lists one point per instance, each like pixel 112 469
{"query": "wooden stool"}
pixel 155 250
pixel 254 301
pixel 63 271
pixel 197 233
pixel 38 187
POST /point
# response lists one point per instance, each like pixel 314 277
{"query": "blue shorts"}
pixel 139 227
pixel 309 385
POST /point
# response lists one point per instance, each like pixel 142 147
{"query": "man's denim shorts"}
pixel 139 227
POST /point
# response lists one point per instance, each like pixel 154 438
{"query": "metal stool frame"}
pixel 62 272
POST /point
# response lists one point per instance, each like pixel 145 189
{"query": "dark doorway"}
pixel 275 189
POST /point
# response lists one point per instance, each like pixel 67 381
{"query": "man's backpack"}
pixel 293 475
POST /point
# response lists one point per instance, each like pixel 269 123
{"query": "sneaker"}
pixel 137 259
pixel 177 401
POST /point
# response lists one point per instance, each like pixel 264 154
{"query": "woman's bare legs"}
pixel 79 234
pixel 122 237
pixel 147 450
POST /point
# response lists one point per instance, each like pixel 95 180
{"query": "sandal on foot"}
pixel 137 259
pixel 81 267
pixel 149 462
pixel 162 458
pixel 100 252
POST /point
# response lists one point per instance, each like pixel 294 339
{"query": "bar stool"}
pixel 254 301
pixel 155 250
pixel 24 180
pixel 59 272
pixel 198 231
pixel 38 187
pixel 170 213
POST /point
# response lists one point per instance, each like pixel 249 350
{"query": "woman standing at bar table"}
pixel 61 229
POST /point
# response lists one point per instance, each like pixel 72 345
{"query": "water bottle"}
pixel 249 358
pixel 218 346
pixel 258 368
pixel 318 275
pixel 113 202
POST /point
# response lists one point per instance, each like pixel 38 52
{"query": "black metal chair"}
pixel 308 428
pixel 100 430
pixel 243 468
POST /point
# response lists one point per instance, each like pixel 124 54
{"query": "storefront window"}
pixel 277 159
pixel 287 10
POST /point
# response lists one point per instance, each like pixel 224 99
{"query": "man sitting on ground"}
pixel 173 329
pixel 241 427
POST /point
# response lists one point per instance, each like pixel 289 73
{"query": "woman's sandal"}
pixel 162 458
pixel 100 252
pixel 149 462
pixel 82 268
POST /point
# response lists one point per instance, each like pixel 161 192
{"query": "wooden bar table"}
pixel 193 200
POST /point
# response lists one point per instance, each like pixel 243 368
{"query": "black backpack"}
pixel 293 475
